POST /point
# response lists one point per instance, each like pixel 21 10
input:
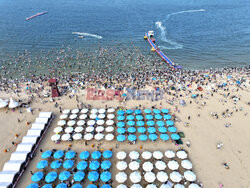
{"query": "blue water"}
pixel 192 33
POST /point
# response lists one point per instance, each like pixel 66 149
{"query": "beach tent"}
pixel 24 147
pixel 13 104
pixel 19 156
pixel 40 126
pixel 34 132
pixel 42 120
pixel 29 139
pixel 45 114
pixel 12 166
pixel 7 177
pixel 3 103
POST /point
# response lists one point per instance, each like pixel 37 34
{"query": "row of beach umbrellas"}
pixel 193 185
pixel 64 185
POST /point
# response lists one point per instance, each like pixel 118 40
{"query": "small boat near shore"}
pixel 38 14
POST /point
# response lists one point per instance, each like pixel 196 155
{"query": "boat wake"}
pixel 174 45
pixel 87 35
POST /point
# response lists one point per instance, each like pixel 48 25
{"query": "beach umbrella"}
pixel 99 136
pixel 70 155
pixel 129 111
pixel 92 116
pixel 175 136
pixel 189 176
pixel 169 123
pixel 50 177
pixel 77 186
pixel 131 130
pixel 106 186
pixel 157 154
pixel 110 116
pixel 38 176
pixel 134 155
pixel 42 164
pixel 121 177
pixel 105 176
pixel 152 137
pixel 143 137
pixel 149 177
pixel 181 154
pixel 160 165
pixel 151 186
pixel 164 137
pixel 136 186
pixel 147 166
pixel 55 137
pixel 73 116
pixel 121 165
pixel 93 176
pixel 121 138
pixel 66 111
pixel 175 176
pixel 130 123
pixel 186 164
pixel 179 186
pixel 100 122
pixel 77 136
pixel 83 116
pixel 47 186
pixel 107 154
pixel 150 123
pixel 134 165
pixel 84 111
pixel 69 129
pixel 13 103
pixel 165 111
pixel 58 129
pixel 162 176
pixel 135 177
pixel 96 155
pixel 91 122
pixel 75 111
pixel 94 111
pixel 193 185
pixel 100 116
pixel 80 123
pixel 109 137
pixel 33 185
pixel 121 130
pixel 109 129
pixel 121 155
pixel 146 155
pixel 68 164
pixel 172 129
pixel 120 112
pixel 71 123
pixel 110 122
pixel 91 186
pixel 105 165
pixel 120 124
pixel 147 111
pixel 160 123
pixel 139 117
pixel 162 129
pixel 151 130
pixel 167 117
pixel 137 111
pixel 82 165
pixel 130 117
pixel 64 175
pixel 158 116
pixel 173 165
pixel 140 123
pixel 84 155
pixel 62 185
pixel 170 154
pixel 46 154
pixel 79 176
pixel 111 110
pixel 132 137
pixel 101 111
pixel 61 123
pixel 56 164
pixel 90 129
pixel 149 117
pixel 65 137
pixel 156 111
pixel 88 136
pixel 141 130
pixel 121 186
pixel 94 165
pixel 120 118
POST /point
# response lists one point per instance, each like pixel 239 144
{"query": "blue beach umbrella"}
pixel 120 124
pixel 64 175
pixel 33 185
pixel 79 176
pixel 38 176
pixel 107 154
pixel 50 177
pixel 149 117
pixel 129 111
pixel 172 129
pixel 106 186
pixel 47 186
pixel 156 111
pixel 164 137
pixel 150 123
pixel 152 137
pixel 84 155
pixel 94 165
pixel 120 112
pixel 132 137
pixel 160 123
pixel 131 130
pixel 162 129
pixel 121 138
pixel 93 176
pixel 70 155
pixel 68 164
pixel 42 164
pixel 137 112
pixel 143 137
pixel 105 176
pixel 78 185
pixel 82 165
pixel 140 123
pixel 175 136
pixel 169 123
pixel 62 185
pixel 58 154
pixel 158 116
pixel 56 164
pixel 165 111
pixel 131 123
pixel 141 130
pixel 96 155
pixel 121 130
pixel 139 117
pixel 238 82
pixel 147 111
pixel 120 118
pixel 105 165
pixel 151 130
pixel 46 154
pixel 91 186
pixel 167 117
pixel 130 117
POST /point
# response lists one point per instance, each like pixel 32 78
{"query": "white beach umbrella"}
pixel 84 111
pixel 189 175
pixel 99 129
pixel 121 165
pixel 151 186
pixel 134 165
pixel 91 122
pixel 186 164
pixel 121 177
pixel 71 122
pixel 173 165
pixel 121 186
pixel 99 136
pixel 109 129
pixel 69 129
pixel 157 154
pixel 3 103
pixel 65 137
pixel 58 129
pixel 78 129
pixel 101 116
pixel 147 166
pixel 162 176
pixel 13 104
pixel 146 155
pixel 89 129
pixel 75 111
pixel 61 122
pixel 55 137
pixel 135 177
pixel 164 186
pixel 83 116
pixel 73 116
pixel 121 155
pixel 110 122
pixel 170 154
pixel 80 123
pixel 193 185
pixel 66 111
pixel 100 122
pixel 88 136
pixel 175 176
pixel 63 116
pixel 149 177
pixel 181 154
pixel 111 116
pixel 77 136
pixel 92 116
pixel 179 186
pixel 134 155
pixel 109 137
pixel 136 186
pixel 160 165
pixel 101 111
pixel 94 111
pixel 110 110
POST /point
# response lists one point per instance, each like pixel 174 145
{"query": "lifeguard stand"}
pixel 54 88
